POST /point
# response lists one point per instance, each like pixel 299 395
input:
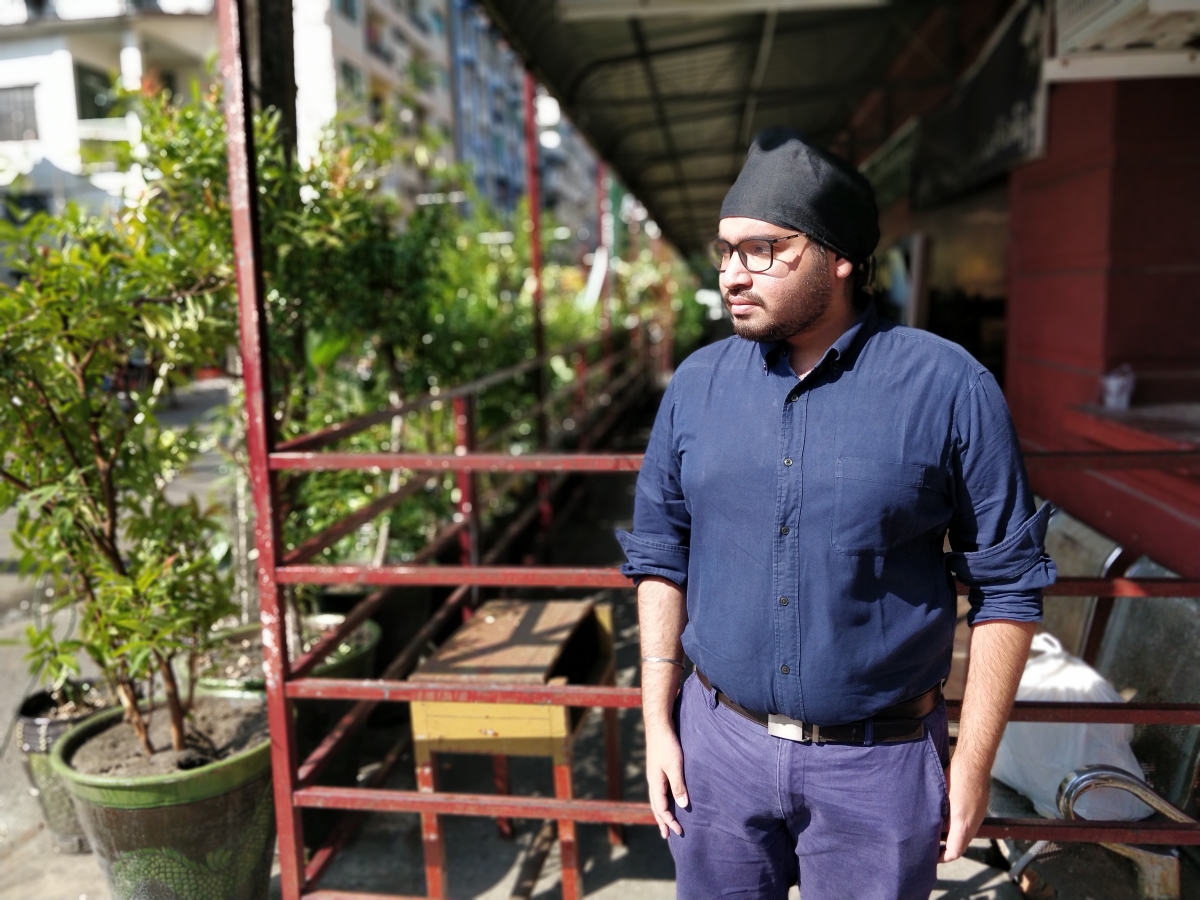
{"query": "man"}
pixel 788 536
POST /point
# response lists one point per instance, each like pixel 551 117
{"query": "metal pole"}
pixel 243 192
pixel 604 245
pixel 468 538
pixel 534 193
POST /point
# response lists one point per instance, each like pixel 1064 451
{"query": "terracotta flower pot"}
pixel 203 834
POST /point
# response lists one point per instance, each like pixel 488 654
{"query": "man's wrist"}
pixel 658 724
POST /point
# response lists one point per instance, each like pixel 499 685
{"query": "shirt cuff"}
pixel 1008 560
pixel 1016 601
pixel 1005 581
pixel 647 557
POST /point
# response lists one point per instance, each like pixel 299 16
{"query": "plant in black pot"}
pixel 172 789
pixel 42 719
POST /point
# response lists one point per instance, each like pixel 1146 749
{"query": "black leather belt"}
pixel 889 726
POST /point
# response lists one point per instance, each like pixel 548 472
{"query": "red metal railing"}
pixel 294 779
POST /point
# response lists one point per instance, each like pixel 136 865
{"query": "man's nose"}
pixel 735 274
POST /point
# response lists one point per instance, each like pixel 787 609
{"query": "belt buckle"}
pixel 791 729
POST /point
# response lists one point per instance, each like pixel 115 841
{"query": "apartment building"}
pixel 489 116
pixel 58 61
pixel 358 56
pixel 60 58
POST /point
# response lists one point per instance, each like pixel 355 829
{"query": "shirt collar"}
pixel 843 347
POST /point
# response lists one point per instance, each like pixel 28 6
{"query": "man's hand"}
pixel 968 806
pixel 997 658
pixel 662 615
pixel 664 772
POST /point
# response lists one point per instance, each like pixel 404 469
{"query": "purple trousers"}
pixel 845 822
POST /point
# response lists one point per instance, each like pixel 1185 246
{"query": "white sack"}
pixel 1034 757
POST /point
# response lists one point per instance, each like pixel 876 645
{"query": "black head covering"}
pixel 794 185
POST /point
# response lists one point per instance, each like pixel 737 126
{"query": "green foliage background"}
pixel 367 302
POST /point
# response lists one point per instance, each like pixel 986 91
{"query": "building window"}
pixel 94 93
pixel 348 8
pixel 18 117
pixel 352 79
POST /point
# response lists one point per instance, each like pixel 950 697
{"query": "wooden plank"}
pixel 515 641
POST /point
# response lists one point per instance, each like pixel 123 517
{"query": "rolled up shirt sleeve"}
pixel 662 525
pixel 997 537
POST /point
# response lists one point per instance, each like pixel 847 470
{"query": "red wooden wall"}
pixel 1104 269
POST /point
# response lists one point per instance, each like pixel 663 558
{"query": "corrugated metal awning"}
pixel 671 100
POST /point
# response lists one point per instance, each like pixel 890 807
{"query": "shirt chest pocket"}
pixel 880 505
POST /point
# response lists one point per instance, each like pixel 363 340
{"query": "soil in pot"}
pixel 236 662
pixel 216 729
pixel 191 825
pixel 42 719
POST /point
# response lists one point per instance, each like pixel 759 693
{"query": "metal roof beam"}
pixel 777 96
pixel 660 110
pixel 851 18
pixel 759 74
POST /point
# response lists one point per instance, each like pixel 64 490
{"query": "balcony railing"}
pixel 18 12
pixel 115 129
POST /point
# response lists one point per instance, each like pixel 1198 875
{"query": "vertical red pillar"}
pixel 243 194
pixel 468 538
pixel 603 245
pixel 1105 234
pixel 534 193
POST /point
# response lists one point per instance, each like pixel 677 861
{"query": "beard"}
pixel 795 312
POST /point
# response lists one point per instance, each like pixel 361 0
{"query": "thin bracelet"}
pixel 665 659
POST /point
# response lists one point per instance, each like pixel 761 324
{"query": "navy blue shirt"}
pixel 805 519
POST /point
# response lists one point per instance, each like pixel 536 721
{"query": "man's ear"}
pixel 842 267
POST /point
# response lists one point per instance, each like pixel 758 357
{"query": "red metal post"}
pixel 613 769
pixel 431 827
pixel 243 193
pixel 533 192
pixel 1117 566
pixel 572 878
pixel 500 783
pixel 468 511
pixel 603 246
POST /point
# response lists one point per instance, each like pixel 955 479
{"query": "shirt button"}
pixel 783 530
pixel 783 601
pixel 784 669
pixel 787 460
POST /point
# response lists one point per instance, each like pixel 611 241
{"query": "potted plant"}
pixel 42 719
pixel 173 789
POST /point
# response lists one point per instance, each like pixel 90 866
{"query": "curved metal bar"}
pixel 1088 778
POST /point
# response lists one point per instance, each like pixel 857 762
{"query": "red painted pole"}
pixel 603 245
pixel 534 193
pixel 464 444
pixel 243 193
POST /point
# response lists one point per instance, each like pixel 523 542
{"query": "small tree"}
pixel 89 338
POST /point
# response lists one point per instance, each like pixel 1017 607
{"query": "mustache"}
pixel 743 296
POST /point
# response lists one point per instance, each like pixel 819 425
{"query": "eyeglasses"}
pixel 756 254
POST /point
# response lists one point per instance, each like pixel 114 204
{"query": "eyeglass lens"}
pixel 756 255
